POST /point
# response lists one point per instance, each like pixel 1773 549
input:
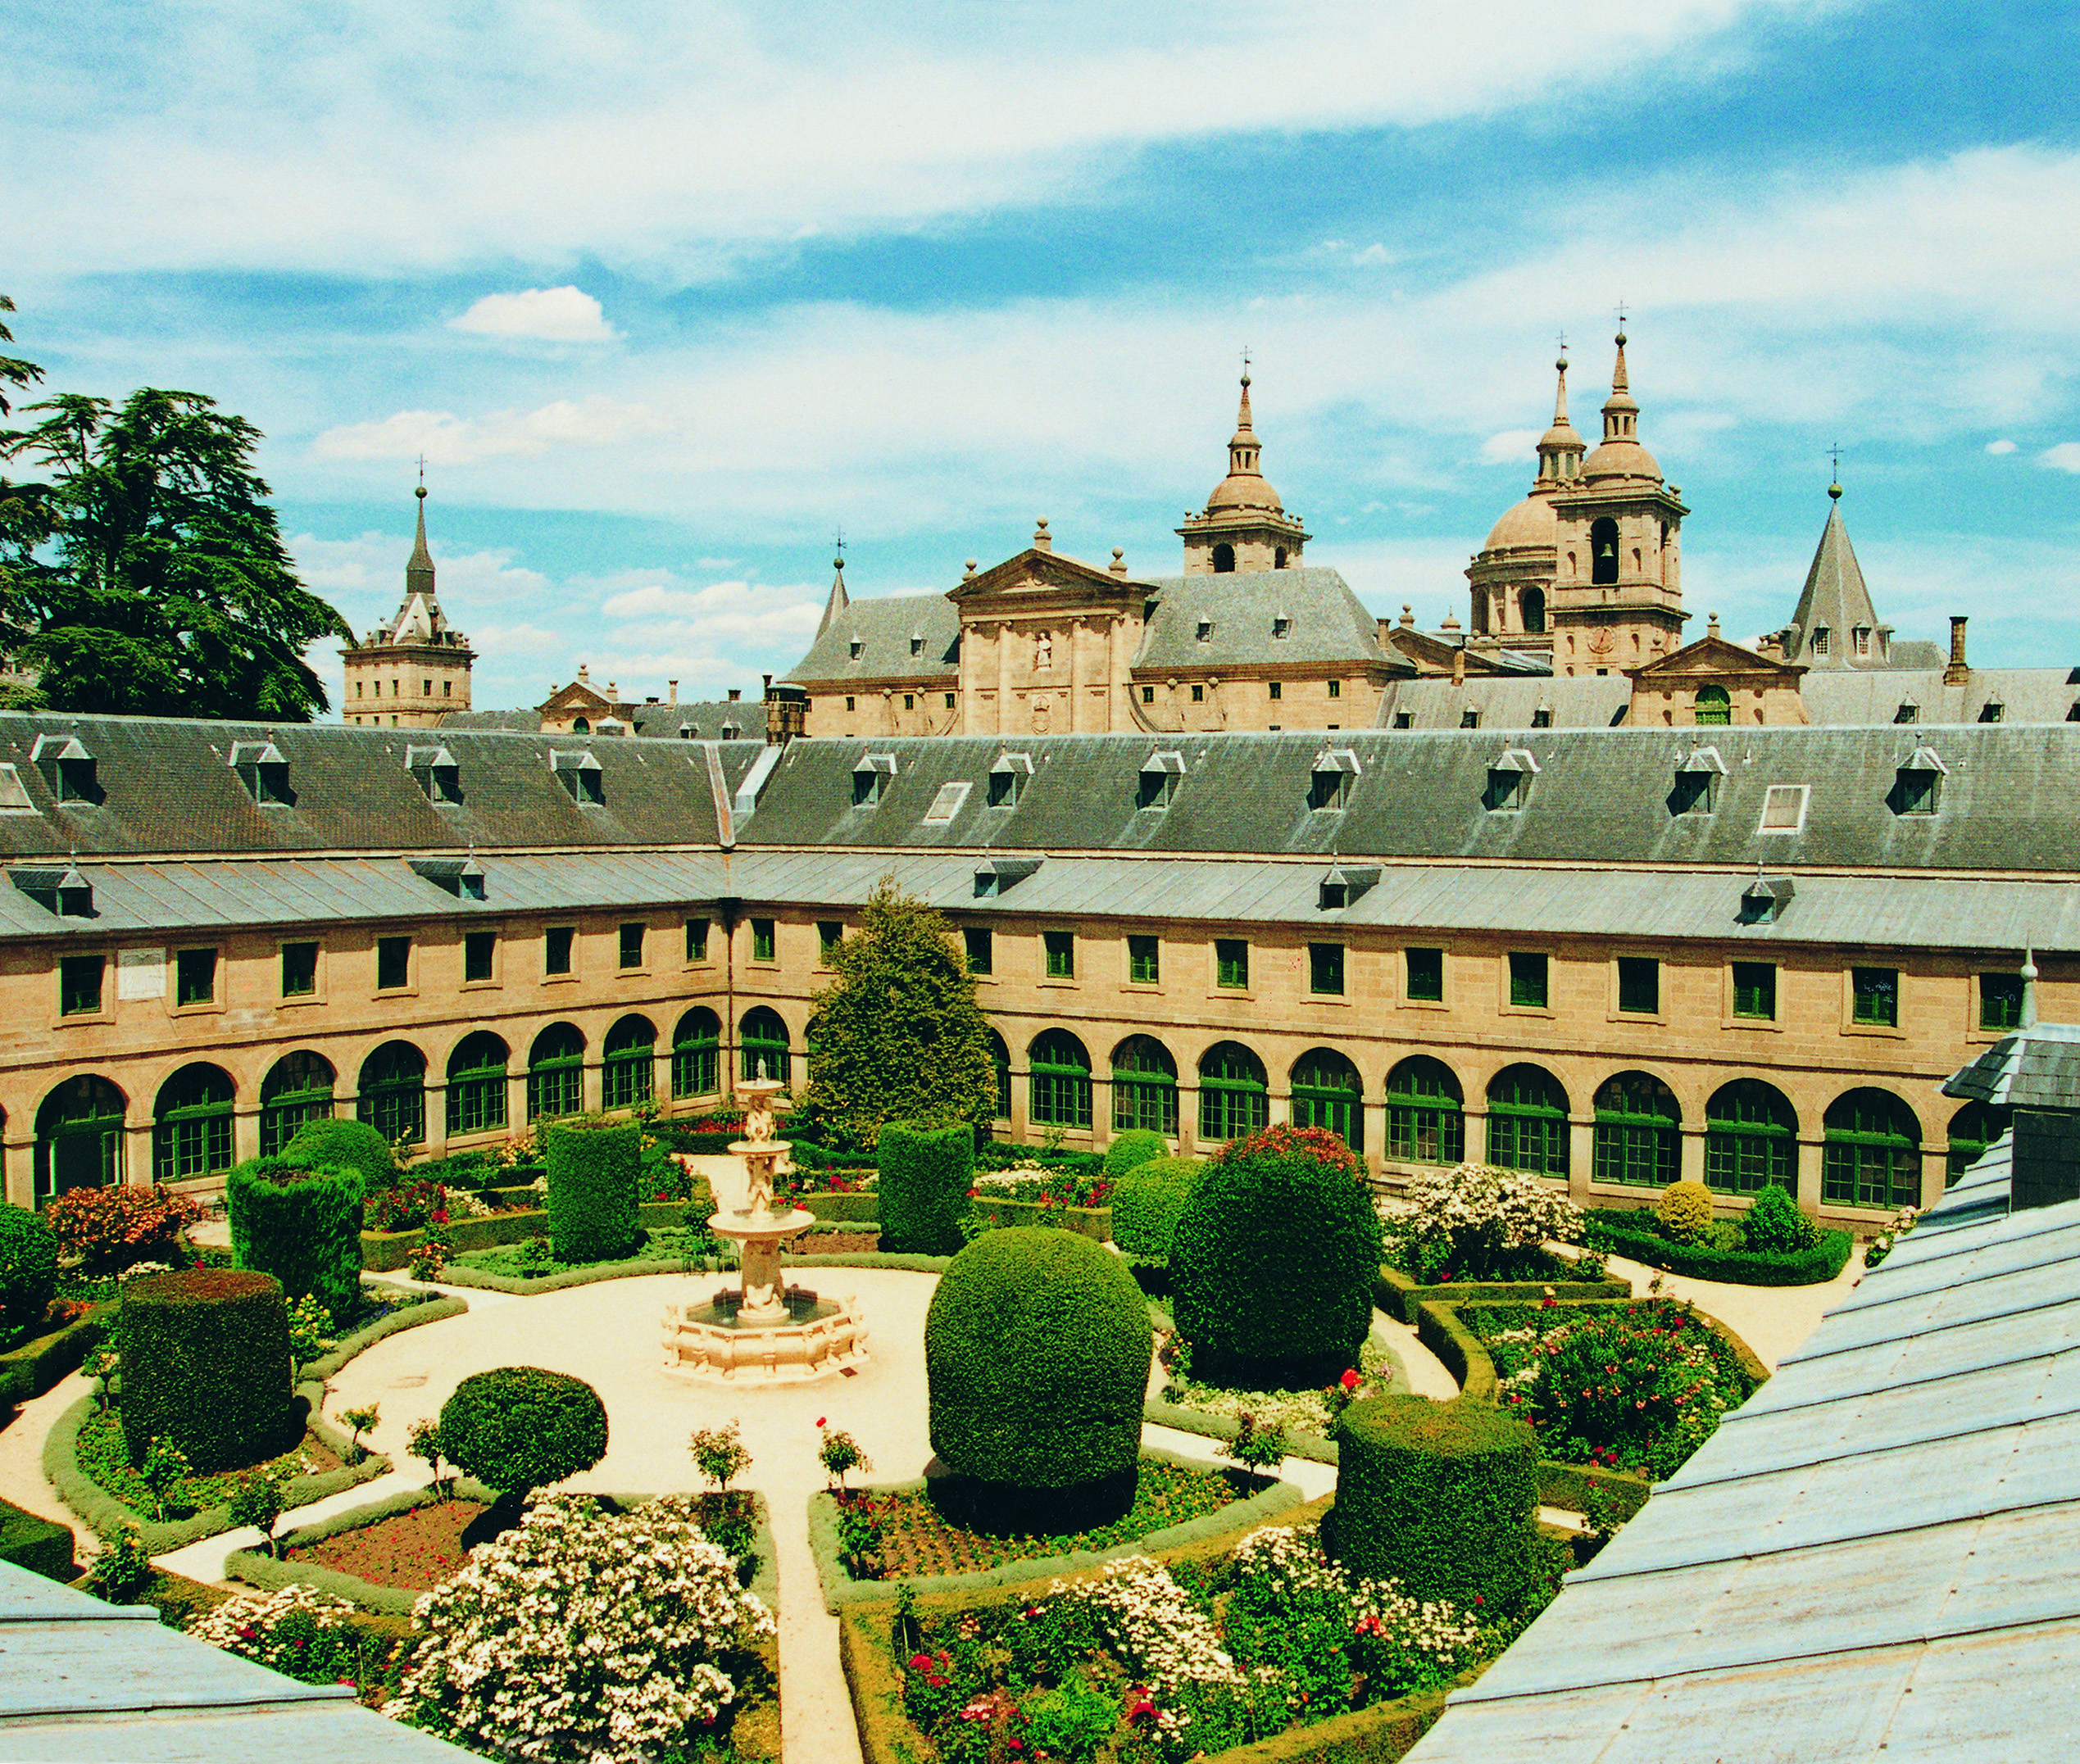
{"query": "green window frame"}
pixel 476 1085
pixel 1145 960
pixel 629 1064
pixel 1712 708
pixel 1328 1093
pixel 764 942
pixel 1144 1087
pixel 1059 1081
pixel 1972 1129
pixel 1060 959
pixel 981 947
pixel 829 934
pixel 194 976
pixel 1426 1118
pixel 1638 1140
pixel 80 979
pixel 1526 1122
pixel 762 1041
pixel 392 1095
pixel 2001 997
pixel 299 969
pixel 79 1136
pixel 557 942
pixel 1425 975
pixel 1530 980
pixel 1234 1094
pixel 1874 997
pixel 1000 1057
pixel 1639 985
pixel 629 952
pixel 1872 1152
pixel 479 955
pixel 1750 1139
pixel 191 1127
pixel 1754 990
pixel 393 963
pixel 697 1055
pixel 555 1074
pixel 298 1087
pixel 1325 969
pixel 1232 963
pixel 697 939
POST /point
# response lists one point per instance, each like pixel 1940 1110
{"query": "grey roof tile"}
pixel 1328 623
pixel 883 626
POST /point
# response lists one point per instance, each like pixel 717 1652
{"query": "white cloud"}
pixel 1374 253
pixel 1999 447
pixel 547 315
pixel 2065 456
pixel 1513 447
pixel 594 421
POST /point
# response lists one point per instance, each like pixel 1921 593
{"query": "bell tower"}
pixel 1243 527
pixel 1617 598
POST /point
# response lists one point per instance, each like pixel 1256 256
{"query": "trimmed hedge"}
pixel 1622 1234
pixel 40 1545
pixel 593 1167
pixel 1442 1496
pixel 1273 1262
pixel 334 1144
pixel 205 1363
pixel 1567 1485
pixel 39 1363
pixel 1036 1350
pixel 926 1173
pixel 1146 1201
pixel 1093 1222
pixel 1135 1146
pixel 27 1267
pixel 861 1208
pixel 519 1427
pixel 302 1225
pixel 1401 1295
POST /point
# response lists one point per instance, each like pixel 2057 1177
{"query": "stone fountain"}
pixel 765 1331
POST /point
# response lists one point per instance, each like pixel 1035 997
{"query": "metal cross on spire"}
pixel 1834 454
pixel 840 541
pixel 1622 304
pixel 422 468
pixel 1245 361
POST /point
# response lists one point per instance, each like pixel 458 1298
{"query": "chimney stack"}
pixel 1956 674
pixel 672 687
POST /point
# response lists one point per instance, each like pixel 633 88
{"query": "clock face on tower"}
pixel 1600 643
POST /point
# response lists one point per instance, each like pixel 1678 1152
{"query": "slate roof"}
pixel 883 626
pixel 1834 595
pixel 1330 625
pixel 1576 700
pixel 1873 1558
pixel 2038 1067
pixel 86 1681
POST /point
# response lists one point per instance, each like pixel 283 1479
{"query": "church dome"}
pixel 1244 490
pixel 1531 521
pixel 1621 458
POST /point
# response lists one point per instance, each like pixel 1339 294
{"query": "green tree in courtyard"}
pixel 143 571
pixel 898 1035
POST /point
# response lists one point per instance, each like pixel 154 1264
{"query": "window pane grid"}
pixel 626 1077
pixel 1530 1140
pixel 1640 1154
pixel 1418 1133
pixel 1229 1109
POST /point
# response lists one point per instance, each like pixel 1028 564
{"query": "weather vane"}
pixel 422 468
pixel 1563 336
pixel 1622 304
pixel 1245 361
pixel 840 541
pixel 1834 453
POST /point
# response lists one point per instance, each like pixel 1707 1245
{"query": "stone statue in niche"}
pixel 1043 652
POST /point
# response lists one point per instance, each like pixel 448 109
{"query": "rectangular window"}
pixel 1198 695
pixel 763 944
pixel 1325 969
pixel 848 704
pixel 1426 976
pixel 1278 691
pixel 631 953
pixel 194 976
pixel 951 701
pixel 2001 1001
pixel 1336 688
pixel 1144 961
pixel 829 934
pixel 909 700
pixel 1876 995
pixel 555 949
pixel 1783 808
pixel 79 984
pixel 393 963
pixel 982 953
pixel 1061 953
pixel 1232 962
pixel 1148 695
pixel 1528 980
pixel 299 970
pixel 1755 989
pixel 480 951
pixel 697 939
pixel 1639 985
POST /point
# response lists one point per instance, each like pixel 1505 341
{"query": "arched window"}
pixel 1603 552
pixel 1526 1122
pixel 556 1072
pixel 579 726
pixel 1279 558
pixel 1750 1139
pixel 1234 1096
pixel 191 1124
pixel 1480 612
pixel 476 1084
pixel 1224 559
pixel 80 1136
pixel 1714 708
pixel 1972 1129
pixel 1061 1081
pixel 1000 1057
pixel 1144 1086
pixel 1328 1092
pixel 1638 1141
pixel 762 1045
pixel 696 1054
pixel 1873 1152
pixel 1425 1121
pixel 298 1088
pixel 393 1098
pixel 629 1064
pixel 1531 607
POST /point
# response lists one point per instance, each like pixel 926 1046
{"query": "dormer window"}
pixel 1907 712
pixel 1918 787
pixel 1696 783
pixel 436 773
pixel 1007 779
pixel 856 649
pixel 1820 634
pixel 1469 718
pixel 917 645
pixel 1509 782
pixel 67 768
pixel 1764 900
pixel 998 876
pixel 1783 810
pixel 1281 626
pixel 1341 887
pixel 1160 773
pixel 463 877
pixel 1992 710
pixel 1861 635
pixel 580 773
pixel 1542 717
pixel 1330 787
pixel 64 892
pixel 1205 630
pixel 264 772
pixel 870 779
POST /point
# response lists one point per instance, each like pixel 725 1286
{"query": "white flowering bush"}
pixel 586 1636
pixel 1471 1220
pixel 297 1630
pixel 1296 1411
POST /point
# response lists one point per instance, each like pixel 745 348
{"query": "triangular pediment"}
pixel 1433 657
pixel 576 696
pixel 1713 658
pixel 1037 574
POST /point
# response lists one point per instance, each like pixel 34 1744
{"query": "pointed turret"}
pixel 1245 486
pixel 1244 526
pixel 1836 625
pixel 1561 448
pixel 418 567
pixel 839 600
pixel 1620 454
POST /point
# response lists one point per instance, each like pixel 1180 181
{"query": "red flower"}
pixel 1349 1380
pixel 819 1420
pixel 920 1662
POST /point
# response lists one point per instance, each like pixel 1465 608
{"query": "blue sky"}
pixel 666 294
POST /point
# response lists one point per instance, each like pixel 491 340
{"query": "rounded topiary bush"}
pixel 519 1427
pixel 594 1170
pixel 1775 1225
pixel 1135 1146
pixel 205 1363
pixel 302 1225
pixel 1273 1262
pixel 1685 1211
pixel 926 1174
pixel 29 1260
pixel 1036 1350
pixel 1145 1203
pixel 1442 1497
pixel 327 1144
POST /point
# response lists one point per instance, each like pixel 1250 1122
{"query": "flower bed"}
pixel 1474 1221
pixel 1399 1294
pixel 1307 1417
pixel 1633 1234
pixel 384 1252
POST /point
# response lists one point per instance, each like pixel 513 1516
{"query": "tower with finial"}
pixel 1243 527
pixel 1512 574
pixel 414 670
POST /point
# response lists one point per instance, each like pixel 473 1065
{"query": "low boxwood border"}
pixel 1731 1267
pixel 38 1365
pixel 255 1567
pixel 1091 1221
pixel 386 1252
pixel 840 1589
pixel 455 1275
pixel 1399 1294
pixel 106 1516
pixel 856 1209
pixel 1311 1446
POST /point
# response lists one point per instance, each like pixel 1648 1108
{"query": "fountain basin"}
pixel 720 1340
